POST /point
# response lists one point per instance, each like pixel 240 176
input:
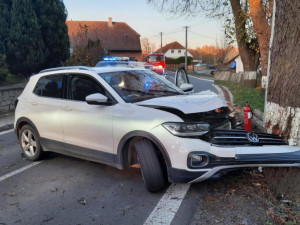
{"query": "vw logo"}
pixel 252 137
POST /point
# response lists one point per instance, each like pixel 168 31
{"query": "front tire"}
pixel 152 171
pixel 30 143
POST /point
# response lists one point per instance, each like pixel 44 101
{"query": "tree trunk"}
pixel 283 95
pixel 262 30
pixel 282 114
pixel 249 56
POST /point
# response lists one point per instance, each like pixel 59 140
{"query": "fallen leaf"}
pixel 256 184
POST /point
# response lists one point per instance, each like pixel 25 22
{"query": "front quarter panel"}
pixel 131 117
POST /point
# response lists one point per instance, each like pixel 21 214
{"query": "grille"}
pixel 240 137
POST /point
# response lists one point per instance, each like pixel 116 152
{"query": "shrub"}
pixel 4 71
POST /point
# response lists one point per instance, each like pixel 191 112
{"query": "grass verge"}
pixel 242 95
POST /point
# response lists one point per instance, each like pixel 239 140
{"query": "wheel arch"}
pixel 125 148
pixel 24 121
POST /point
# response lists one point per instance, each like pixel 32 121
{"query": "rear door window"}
pixel 50 86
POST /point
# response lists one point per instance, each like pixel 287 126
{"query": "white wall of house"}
pixel 176 53
pixel 239 64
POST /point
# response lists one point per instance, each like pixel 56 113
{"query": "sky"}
pixel 148 21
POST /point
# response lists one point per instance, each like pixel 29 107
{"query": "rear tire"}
pixel 152 171
pixel 30 143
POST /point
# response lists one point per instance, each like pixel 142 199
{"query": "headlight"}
pixel 187 129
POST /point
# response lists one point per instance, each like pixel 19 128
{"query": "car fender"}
pixel 122 152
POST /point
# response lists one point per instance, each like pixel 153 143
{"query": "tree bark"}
pixel 284 79
pixel 283 94
pixel 249 56
pixel 262 30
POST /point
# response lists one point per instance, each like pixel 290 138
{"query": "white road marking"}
pixel 7 131
pixel 168 205
pixel 18 171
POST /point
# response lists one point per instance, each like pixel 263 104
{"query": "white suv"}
pixel 124 116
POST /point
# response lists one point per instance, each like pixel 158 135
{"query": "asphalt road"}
pixel 200 84
pixel 65 190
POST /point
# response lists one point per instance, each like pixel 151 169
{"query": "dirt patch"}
pixel 244 198
pixel 284 182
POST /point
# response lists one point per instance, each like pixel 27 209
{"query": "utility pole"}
pixel 186 47
pixel 161 41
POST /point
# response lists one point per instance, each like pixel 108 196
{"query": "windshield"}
pixel 155 58
pixel 138 85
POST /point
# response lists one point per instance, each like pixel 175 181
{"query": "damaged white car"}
pixel 125 116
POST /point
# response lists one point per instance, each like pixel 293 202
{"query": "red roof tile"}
pixel 118 37
pixel 173 45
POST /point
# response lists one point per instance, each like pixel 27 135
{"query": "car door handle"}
pixel 67 108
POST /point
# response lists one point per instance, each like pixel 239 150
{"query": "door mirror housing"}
pixel 96 99
pixel 186 87
pixel 181 77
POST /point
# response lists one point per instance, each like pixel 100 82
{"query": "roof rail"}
pixel 66 68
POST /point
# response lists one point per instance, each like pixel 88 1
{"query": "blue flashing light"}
pixel 107 58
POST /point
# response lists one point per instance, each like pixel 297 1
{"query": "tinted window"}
pixel 82 86
pixel 50 86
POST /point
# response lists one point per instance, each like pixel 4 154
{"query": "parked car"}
pixel 123 116
pixel 120 62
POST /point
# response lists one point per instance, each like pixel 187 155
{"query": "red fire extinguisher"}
pixel 247 117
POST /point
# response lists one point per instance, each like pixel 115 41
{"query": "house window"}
pixel 179 51
pixel 172 51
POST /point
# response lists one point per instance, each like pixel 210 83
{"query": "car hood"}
pixel 198 102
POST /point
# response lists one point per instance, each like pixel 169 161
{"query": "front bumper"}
pixel 222 156
pixel 219 165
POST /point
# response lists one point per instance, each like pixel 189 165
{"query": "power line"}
pixel 204 36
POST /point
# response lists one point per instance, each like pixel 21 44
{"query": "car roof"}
pixel 69 69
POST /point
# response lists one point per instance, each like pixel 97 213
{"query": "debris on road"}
pixel 82 201
pixel 46 220
pixel 54 190
pixel 12 194
pixel 10 166
pixel 63 193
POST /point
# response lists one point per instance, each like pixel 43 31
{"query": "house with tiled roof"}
pixel 116 38
pixel 173 50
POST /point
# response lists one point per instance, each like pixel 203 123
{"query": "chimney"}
pixel 110 23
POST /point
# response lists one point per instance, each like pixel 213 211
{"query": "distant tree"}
pixel 33 34
pixel 5 6
pixel 26 52
pixel 145 45
pixel 87 55
pixel 86 52
pixel 210 54
pixel 51 16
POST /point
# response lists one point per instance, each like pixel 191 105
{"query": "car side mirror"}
pixel 181 77
pixel 96 99
pixel 186 87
